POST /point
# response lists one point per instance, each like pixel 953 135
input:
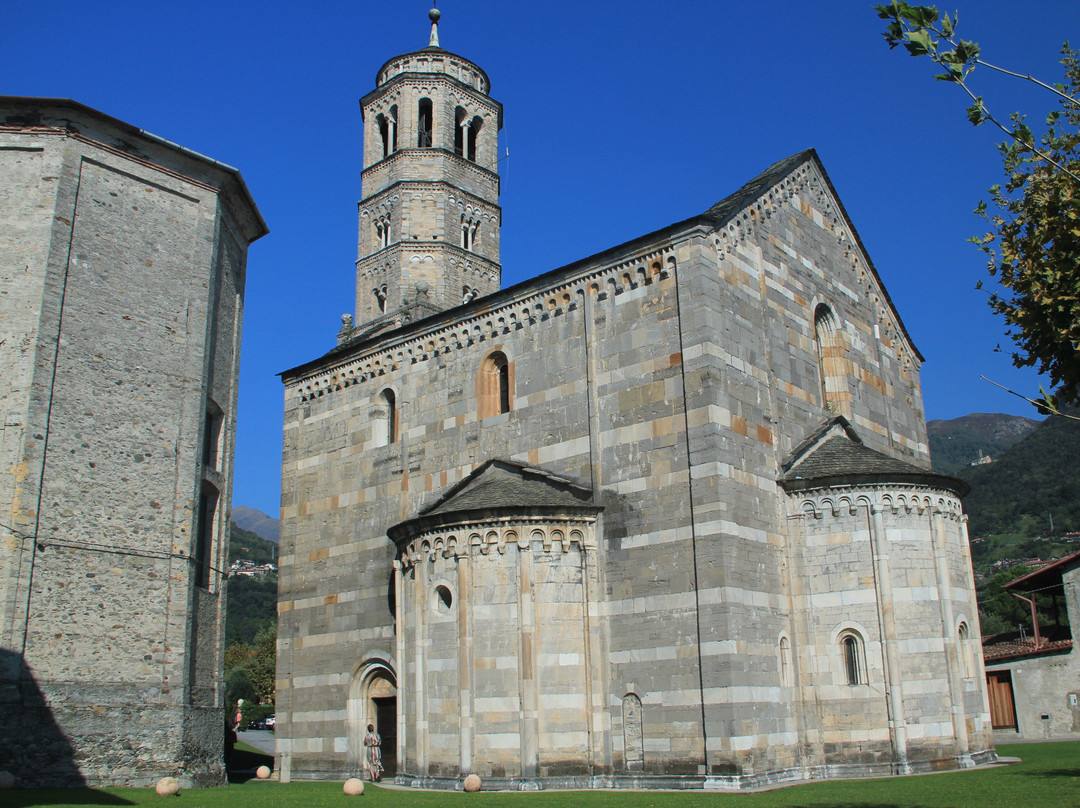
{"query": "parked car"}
pixel 270 722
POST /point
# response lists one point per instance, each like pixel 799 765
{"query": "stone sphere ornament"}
pixel 472 783
pixel 167 787
pixel 7 779
pixel 353 787
pixel 263 772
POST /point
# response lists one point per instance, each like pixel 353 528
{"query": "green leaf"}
pixel 918 42
pixel 946 25
pixel 976 113
pixel 967 51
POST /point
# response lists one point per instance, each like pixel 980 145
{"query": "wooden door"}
pixel 1002 708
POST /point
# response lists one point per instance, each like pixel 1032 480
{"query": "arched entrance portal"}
pixel 372 700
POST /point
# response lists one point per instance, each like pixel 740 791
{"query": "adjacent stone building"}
pixel 122 265
pixel 661 517
pixel 1034 681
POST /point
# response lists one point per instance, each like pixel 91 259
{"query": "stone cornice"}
pixel 487 318
pixel 841 501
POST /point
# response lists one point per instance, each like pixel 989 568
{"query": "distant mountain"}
pixel 257 522
pixel 1030 484
pixel 956 443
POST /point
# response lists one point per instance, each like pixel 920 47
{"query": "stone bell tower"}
pixel 430 215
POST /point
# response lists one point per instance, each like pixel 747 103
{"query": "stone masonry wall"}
pixel 136 275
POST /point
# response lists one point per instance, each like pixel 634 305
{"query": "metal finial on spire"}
pixel 434 16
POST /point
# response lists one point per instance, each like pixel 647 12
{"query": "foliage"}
pixel 250 607
pixel 251 711
pixel 237 686
pixel 1046 777
pixel 253 665
pixel 1033 241
pixel 1001 612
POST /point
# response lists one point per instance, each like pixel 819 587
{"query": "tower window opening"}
pixel 382 232
pixel 424 128
pixel 459 132
pixel 473 137
pixel 392 123
pixel 470 231
pixel 380 297
pixel 384 134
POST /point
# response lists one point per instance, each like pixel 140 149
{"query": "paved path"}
pixel 261 739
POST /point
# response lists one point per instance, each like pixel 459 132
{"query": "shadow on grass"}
pixel 1052 773
pixel 18 798
pixel 244 763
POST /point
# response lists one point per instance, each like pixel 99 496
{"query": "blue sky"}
pixel 620 118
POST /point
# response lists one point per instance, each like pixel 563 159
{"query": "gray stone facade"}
pixel 662 517
pixel 122 264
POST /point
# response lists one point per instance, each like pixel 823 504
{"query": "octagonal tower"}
pixel 429 219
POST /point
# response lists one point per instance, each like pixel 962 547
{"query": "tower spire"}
pixel 434 16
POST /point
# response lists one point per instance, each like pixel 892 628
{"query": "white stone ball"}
pixel 472 783
pixel 353 787
pixel 167 787
pixel 7 779
pixel 263 772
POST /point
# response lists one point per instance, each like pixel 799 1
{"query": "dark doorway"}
pixel 386 726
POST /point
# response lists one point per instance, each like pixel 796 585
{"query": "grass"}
pixel 1048 777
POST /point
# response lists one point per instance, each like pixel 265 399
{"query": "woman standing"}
pixel 373 753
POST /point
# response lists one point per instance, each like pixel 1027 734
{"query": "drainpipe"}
pixel 1034 618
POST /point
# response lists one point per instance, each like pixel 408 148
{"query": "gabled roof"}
pixel 712 219
pixel 833 454
pixel 501 487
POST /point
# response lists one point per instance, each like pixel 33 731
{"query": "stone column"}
pixel 530 740
pixel 465 658
pixel 953 671
pixel 887 621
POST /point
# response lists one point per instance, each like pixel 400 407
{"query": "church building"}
pixel 663 517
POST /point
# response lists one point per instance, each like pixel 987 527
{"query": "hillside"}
pixel 1033 482
pixel 251 603
pixel 956 442
pixel 257 522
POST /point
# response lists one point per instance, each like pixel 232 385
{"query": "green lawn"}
pixel 1049 776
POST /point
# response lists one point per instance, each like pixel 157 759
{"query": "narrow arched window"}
pixel 829 356
pixel 390 402
pixel 384 133
pixel 851 649
pixel 786 673
pixel 384 419
pixel 495 385
pixel 967 660
pixel 424 124
pixel 392 123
